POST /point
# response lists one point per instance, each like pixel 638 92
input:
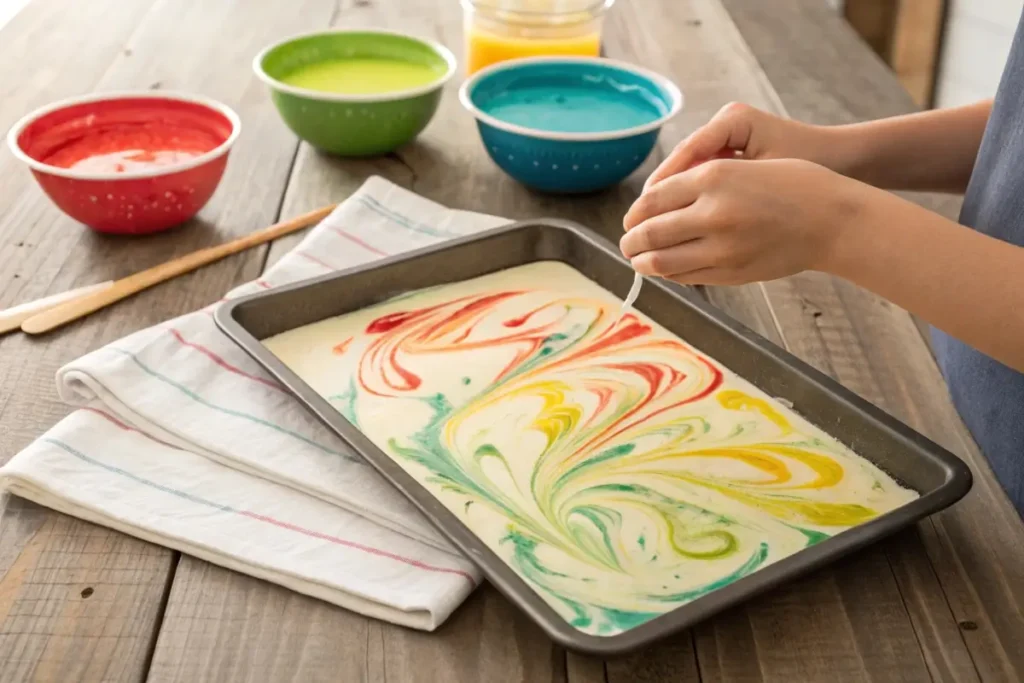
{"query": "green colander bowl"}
pixel 354 125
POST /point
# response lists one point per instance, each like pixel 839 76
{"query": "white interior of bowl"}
pixel 15 133
pixel 675 95
pixel 441 50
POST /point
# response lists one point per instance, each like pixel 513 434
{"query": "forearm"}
pixel 961 281
pixel 933 150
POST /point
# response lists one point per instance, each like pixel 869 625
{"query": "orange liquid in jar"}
pixel 484 48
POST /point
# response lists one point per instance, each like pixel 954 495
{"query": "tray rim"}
pixel 958 479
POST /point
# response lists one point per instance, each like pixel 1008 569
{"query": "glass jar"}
pixel 497 30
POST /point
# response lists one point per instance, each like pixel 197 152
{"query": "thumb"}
pixel 725 134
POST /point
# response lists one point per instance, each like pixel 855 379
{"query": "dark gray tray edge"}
pixel 958 480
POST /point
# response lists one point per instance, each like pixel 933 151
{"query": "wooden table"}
pixel 943 601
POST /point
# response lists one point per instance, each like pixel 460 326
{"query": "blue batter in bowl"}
pixel 569 124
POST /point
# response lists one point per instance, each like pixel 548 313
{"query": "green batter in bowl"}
pixel 356 93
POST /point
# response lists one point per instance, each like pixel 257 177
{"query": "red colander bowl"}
pixel 128 163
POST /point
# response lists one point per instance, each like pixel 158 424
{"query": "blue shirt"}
pixel 989 395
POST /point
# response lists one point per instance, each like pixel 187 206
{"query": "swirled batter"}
pixel 615 468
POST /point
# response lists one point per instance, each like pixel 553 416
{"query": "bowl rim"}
pixel 442 51
pixel 220 150
pixel 663 82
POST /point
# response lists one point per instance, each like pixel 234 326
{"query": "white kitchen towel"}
pixel 182 440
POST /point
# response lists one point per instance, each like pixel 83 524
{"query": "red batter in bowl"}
pixel 130 163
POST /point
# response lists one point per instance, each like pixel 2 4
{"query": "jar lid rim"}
pixel 500 9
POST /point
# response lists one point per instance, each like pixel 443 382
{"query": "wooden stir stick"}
pixel 125 287
pixel 12 318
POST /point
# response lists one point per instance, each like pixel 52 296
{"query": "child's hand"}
pixel 742 130
pixel 730 222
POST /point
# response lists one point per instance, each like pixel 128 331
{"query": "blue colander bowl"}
pixel 568 162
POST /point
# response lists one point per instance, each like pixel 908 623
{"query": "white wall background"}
pixel 8 8
pixel 976 43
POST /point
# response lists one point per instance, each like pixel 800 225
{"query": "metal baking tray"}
pixel 936 474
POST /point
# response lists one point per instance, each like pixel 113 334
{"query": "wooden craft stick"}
pixel 12 318
pixel 72 310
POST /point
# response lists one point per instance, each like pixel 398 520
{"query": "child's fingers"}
pixel 675 261
pixel 728 132
pixel 661 232
pixel 674 193
pixel 704 144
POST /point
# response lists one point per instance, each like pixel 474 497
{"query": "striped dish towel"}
pixel 182 440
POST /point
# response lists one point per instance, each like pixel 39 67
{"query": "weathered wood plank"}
pixel 874 348
pixel 873 20
pixel 241 629
pixel 916 41
pixel 907 35
pixel 671 660
pixel 579 669
pixel 487 639
pixel 49 629
pixel 77 602
pixel 816 629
